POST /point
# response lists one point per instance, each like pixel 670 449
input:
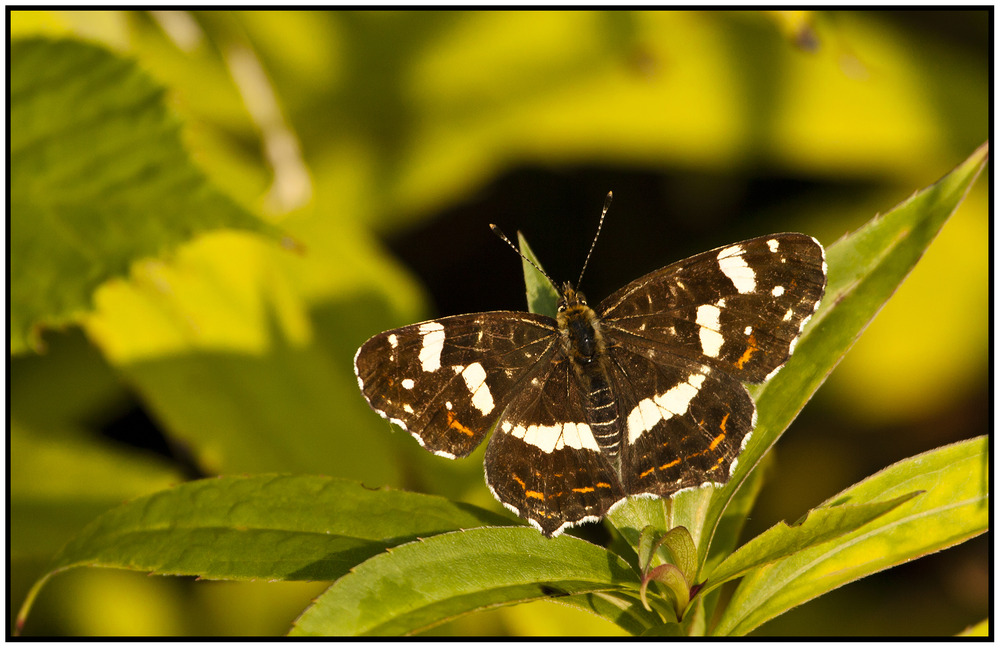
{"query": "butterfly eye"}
pixel 562 307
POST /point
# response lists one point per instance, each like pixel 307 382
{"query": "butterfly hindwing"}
pixel 738 308
pixel 683 422
pixel 543 461
pixel 446 381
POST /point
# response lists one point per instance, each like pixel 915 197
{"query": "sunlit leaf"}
pixel 262 528
pixel 783 540
pixel 864 270
pixel 954 508
pixel 418 585
pixel 98 179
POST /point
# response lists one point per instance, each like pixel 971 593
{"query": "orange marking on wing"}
pixel 585 489
pixel 455 425
pixel 519 481
pixel 603 485
pixel 751 349
pixel 670 465
pixel 534 494
pixel 643 474
pixel 717 440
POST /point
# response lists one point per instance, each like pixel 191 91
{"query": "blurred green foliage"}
pixel 348 129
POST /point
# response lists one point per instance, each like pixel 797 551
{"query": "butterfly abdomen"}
pixel 583 343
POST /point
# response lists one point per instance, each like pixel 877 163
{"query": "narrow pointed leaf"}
pixel 416 586
pixel 261 528
pixel 645 549
pixel 542 295
pixel 264 527
pixel 782 540
pixel 864 270
pixel 954 508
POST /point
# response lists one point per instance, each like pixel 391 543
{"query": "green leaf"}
pixel 59 484
pixel 954 508
pixel 645 548
pixel 669 629
pixel 735 517
pixel 672 578
pixel 542 295
pixel 624 610
pixel 266 527
pixel 683 552
pixel 99 178
pixel 781 540
pixel 865 268
pixel 416 586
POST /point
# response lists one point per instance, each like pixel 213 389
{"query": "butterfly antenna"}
pixel 607 203
pixel 496 230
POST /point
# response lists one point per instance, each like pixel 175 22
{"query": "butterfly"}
pixel 641 396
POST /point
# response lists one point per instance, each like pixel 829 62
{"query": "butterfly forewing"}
pixel 446 381
pixel 738 308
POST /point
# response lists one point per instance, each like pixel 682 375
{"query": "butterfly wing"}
pixel 446 381
pixel 738 308
pixel 543 461
pixel 683 422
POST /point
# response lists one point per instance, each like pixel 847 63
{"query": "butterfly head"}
pixel 570 299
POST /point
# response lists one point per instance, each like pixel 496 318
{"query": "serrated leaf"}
pixel 98 179
pixel 267 527
pixel 954 508
pixel 781 540
pixel 416 586
pixel 864 270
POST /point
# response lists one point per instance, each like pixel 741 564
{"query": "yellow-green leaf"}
pixel 98 179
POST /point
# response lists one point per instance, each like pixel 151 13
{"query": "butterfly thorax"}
pixel 584 346
pixel 579 328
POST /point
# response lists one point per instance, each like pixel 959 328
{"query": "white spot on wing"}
pixel 475 379
pixel 773 245
pixel 431 346
pixel 555 437
pixel 733 265
pixel 673 402
pixel 407 383
pixel 392 340
pixel 711 339
pixel 778 291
